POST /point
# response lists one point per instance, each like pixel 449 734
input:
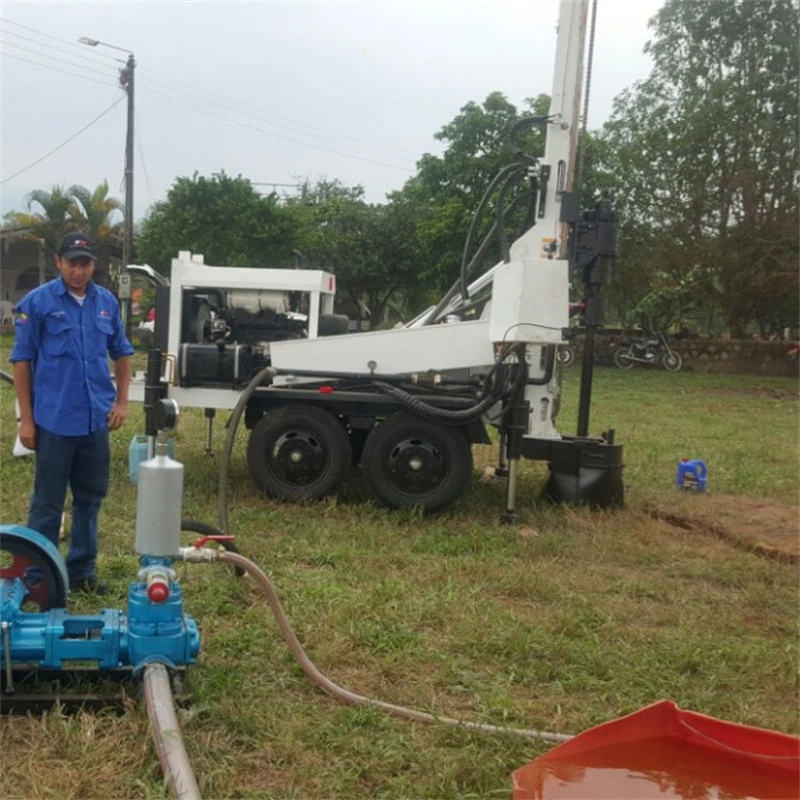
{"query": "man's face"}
pixel 76 272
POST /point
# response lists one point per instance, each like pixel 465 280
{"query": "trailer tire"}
pixel 298 453
pixel 410 462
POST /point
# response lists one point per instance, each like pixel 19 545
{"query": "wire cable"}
pixel 305 129
pixel 52 58
pixel 274 135
pixel 141 159
pixel 88 57
pixel 8 21
pixel 263 117
pixel 64 143
pixel 292 122
pixel 59 70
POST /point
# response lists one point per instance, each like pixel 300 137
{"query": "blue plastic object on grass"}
pixel 137 452
pixel 692 474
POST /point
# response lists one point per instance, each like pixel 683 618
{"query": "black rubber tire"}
pixel 671 361
pixel 622 358
pixel 565 355
pixel 410 462
pixel 298 453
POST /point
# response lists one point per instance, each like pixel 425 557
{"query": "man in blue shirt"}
pixel 65 332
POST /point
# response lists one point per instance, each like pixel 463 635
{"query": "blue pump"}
pixel 37 630
pixel 151 631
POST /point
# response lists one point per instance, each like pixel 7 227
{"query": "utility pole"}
pixel 126 82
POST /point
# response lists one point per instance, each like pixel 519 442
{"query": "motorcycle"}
pixel 648 350
pixel 565 355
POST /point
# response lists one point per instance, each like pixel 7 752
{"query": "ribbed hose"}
pixel 434 413
pixel 351 698
pixel 233 424
pixel 167 736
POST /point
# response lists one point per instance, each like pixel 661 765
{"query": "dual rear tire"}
pixel 305 453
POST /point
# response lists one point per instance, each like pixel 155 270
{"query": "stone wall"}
pixel 735 356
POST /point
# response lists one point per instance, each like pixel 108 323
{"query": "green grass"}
pixel 565 620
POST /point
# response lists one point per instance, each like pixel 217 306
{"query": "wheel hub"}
pixel 298 457
pixel 417 465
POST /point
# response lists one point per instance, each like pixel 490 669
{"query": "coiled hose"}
pixel 346 696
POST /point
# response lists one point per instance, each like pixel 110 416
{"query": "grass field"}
pixel 562 621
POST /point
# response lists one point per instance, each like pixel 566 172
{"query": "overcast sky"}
pixel 275 91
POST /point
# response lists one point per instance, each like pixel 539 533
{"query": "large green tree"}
pixel 221 217
pixel 705 156
pixel 447 190
pixel 370 248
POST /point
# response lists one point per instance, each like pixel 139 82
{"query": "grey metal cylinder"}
pixel 159 506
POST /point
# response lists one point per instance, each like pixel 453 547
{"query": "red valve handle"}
pixel 203 539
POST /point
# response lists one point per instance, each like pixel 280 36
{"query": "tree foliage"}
pixel 223 218
pixel 701 159
pixel 370 248
pixel 447 190
pixel 93 212
pixel 705 153
pixel 53 213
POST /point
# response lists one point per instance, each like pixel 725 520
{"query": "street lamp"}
pixel 126 82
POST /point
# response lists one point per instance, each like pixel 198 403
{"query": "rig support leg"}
pixel 209 414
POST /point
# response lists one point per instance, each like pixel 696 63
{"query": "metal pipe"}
pixel 167 734
pixel 7 657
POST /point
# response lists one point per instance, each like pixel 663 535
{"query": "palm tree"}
pixel 91 212
pixel 51 222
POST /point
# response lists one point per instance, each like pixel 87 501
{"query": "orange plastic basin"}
pixel 663 752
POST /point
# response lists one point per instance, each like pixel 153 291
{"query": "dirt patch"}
pixel 763 393
pixel 765 527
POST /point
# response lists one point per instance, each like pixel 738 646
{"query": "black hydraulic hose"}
pixel 517 128
pixel 490 395
pixel 351 698
pixel 233 424
pixel 435 314
pixel 549 366
pixel 504 174
pixel 502 233
pixel 434 413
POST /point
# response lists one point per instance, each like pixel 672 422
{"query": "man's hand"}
pixel 27 433
pixel 117 415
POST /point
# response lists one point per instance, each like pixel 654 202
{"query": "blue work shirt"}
pixel 68 345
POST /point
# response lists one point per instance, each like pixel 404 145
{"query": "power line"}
pixel 55 69
pixel 261 117
pixel 50 58
pixel 281 136
pixel 288 123
pixel 294 123
pixel 90 57
pixel 141 158
pixel 8 21
pixel 66 142
pixel 306 131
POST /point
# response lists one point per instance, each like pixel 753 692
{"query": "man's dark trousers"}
pixel 82 463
